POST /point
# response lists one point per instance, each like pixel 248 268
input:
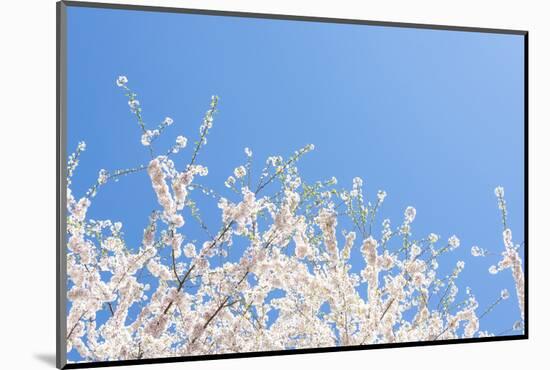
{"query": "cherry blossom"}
pixel 295 284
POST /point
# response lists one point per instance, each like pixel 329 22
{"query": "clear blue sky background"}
pixel 433 117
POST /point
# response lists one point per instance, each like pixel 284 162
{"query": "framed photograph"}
pixel 236 184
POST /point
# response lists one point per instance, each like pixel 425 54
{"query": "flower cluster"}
pixel 294 283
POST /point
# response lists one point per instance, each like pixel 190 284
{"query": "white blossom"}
pixel 181 142
pixel 133 104
pixel 168 121
pixel 499 191
pixel 102 177
pixel 507 238
pixel 121 81
pixel 230 181
pixel 433 238
pixel 477 251
pixel 410 214
pixel 239 172
pixel 454 242
pixel 189 250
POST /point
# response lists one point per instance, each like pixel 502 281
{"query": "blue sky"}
pixel 435 118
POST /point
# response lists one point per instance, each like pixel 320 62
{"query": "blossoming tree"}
pixel 291 246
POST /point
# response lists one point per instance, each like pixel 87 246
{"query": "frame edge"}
pixel 61 197
pixel 288 17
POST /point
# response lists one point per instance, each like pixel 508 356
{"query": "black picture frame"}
pixel 61 152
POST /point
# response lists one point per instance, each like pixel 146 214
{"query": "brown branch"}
pixel 174 266
pixel 181 282
pixel 216 312
pixel 222 305
pixel 74 326
pixel 108 303
pixel 179 288
pixel 447 328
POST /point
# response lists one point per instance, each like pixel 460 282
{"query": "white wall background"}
pixel 27 181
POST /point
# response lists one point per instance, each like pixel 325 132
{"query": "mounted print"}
pixel 237 184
